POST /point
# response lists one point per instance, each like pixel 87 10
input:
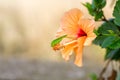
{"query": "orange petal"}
pixel 88 26
pixel 67 51
pixel 89 40
pixel 69 21
pixel 79 51
pixel 60 32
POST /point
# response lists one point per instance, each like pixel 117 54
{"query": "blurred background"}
pixel 26 29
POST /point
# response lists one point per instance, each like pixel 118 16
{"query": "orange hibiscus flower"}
pixel 79 33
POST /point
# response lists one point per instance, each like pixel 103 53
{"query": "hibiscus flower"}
pixel 78 33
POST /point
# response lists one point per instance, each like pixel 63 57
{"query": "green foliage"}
pixel 108 41
pixel 113 54
pixel 98 15
pixel 108 37
pixel 106 27
pixel 107 34
pixel 89 7
pixel 93 76
pixel 99 40
pixel 98 4
pixel 115 44
pixel 95 9
pixel 57 41
pixel 116 13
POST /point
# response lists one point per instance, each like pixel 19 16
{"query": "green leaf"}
pixel 107 26
pixel 99 40
pixel 96 32
pixel 57 41
pixel 95 9
pixel 117 22
pixel 110 31
pixel 116 13
pixel 98 4
pixel 108 41
pixel 89 7
pixel 107 35
pixel 98 15
pixel 115 44
pixel 103 3
pixel 113 54
pixel 93 76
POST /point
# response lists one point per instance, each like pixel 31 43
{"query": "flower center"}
pixel 81 33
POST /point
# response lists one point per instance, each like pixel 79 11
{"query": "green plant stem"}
pixel 104 18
